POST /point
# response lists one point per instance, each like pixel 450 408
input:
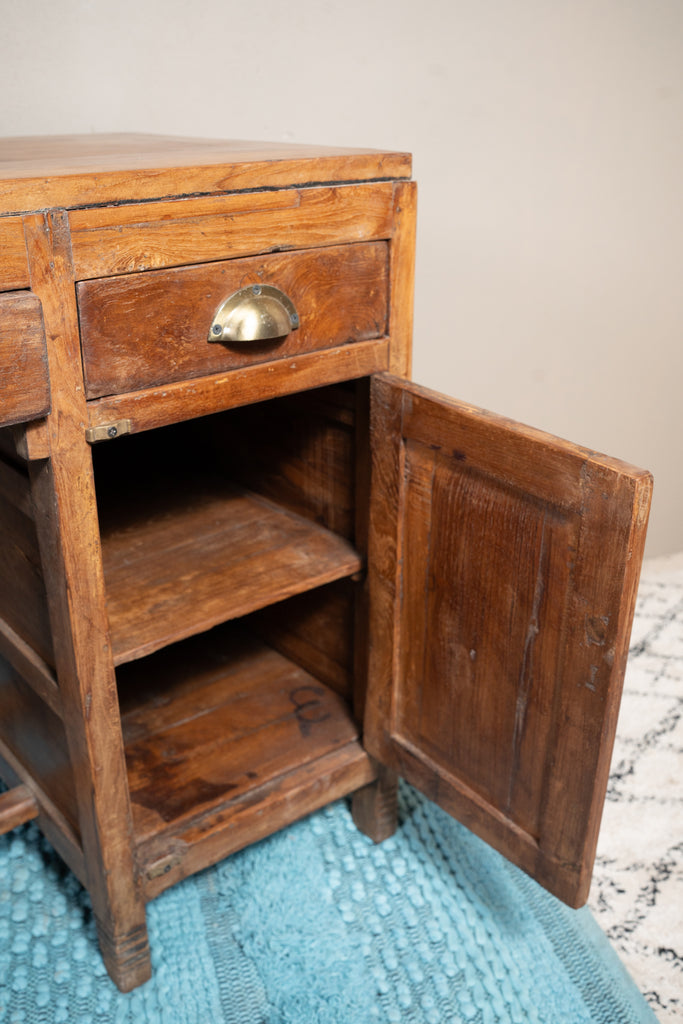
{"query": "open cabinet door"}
pixel 503 569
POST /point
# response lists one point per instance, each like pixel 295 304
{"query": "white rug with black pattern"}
pixel 637 892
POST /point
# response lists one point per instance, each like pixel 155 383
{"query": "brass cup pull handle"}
pixel 259 312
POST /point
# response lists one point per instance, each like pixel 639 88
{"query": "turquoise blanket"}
pixel 318 925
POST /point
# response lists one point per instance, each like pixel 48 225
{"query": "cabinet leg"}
pixel 126 954
pixel 374 808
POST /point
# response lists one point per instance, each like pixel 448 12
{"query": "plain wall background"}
pixel 548 144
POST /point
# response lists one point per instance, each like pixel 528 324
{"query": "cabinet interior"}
pixel 234 551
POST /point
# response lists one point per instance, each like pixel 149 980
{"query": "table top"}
pixel 41 172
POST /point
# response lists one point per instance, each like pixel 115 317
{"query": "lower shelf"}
pixel 226 742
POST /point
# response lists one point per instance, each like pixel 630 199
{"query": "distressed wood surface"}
pixel 24 380
pixel 402 275
pixel 223 743
pixel 14 485
pixel 226 741
pixel 13 263
pixel 361 478
pixel 184 400
pixel 37 172
pixel 301 454
pixel 234 714
pixel 316 630
pixel 297 451
pixel 502 563
pixel 197 230
pixel 504 566
pixel 145 329
pixel 36 737
pixel 50 821
pixel 23 597
pixel 17 806
pixel 66 521
pixel 33 669
pixel 375 807
pixel 181 560
pixel 285 798
pixel 8 443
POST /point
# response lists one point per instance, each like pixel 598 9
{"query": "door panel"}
pixel 503 573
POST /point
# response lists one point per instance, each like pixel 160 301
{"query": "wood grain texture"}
pixel 316 630
pixel 199 552
pixel 198 230
pixel 8 444
pixel 50 820
pixel 375 807
pixel 276 804
pixel 32 440
pixel 24 381
pixel 23 596
pixel 504 565
pixel 14 485
pixel 36 738
pixel 13 262
pixel 31 667
pixel 301 453
pixel 403 277
pixel 66 520
pixel 17 806
pixel 82 170
pixel 297 451
pixel 184 400
pixel 25 635
pixel 213 719
pixel 362 473
pixel 145 329
pixel 225 741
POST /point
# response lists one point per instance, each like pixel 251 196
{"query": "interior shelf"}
pixel 179 560
pixel 210 723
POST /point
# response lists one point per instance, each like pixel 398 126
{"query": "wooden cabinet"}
pixel 241 579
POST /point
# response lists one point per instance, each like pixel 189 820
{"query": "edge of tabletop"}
pixel 69 171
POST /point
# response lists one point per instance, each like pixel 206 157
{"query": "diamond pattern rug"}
pixel 637 891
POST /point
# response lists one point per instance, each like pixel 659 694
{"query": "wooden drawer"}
pixel 13 264
pixel 151 328
pixel 24 381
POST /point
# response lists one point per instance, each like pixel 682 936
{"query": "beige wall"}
pixel 548 142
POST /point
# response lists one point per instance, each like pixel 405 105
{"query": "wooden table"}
pixel 247 567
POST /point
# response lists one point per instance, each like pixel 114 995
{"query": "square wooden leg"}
pixel 375 807
pixel 125 953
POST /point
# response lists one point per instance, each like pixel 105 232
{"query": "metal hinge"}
pixel 107 431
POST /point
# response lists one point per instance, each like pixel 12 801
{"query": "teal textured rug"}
pixel 318 925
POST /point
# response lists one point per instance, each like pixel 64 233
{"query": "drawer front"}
pixel 152 328
pixel 13 263
pixel 24 380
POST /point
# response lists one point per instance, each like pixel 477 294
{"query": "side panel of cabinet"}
pixel 504 566
pixel 24 383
